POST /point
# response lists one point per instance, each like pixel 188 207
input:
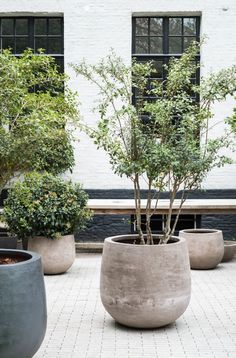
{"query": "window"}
pixel 19 33
pixel 157 39
pixel 160 38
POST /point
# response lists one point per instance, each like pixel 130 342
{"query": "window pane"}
pixel 40 26
pixel 21 44
pixel 142 26
pixel 158 65
pixel 156 26
pixel 141 45
pixel 21 27
pixel 156 45
pixel 175 45
pixel 60 63
pixel 175 26
pixel 8 42
pixel 54 45
pixel 189 26
pixel 55 27
pixel 40 42
pixel 188 41
pixel 8 26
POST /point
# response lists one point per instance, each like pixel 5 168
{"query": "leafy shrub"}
pixel 35 107
pixel 45 205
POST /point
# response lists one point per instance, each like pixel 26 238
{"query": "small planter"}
pixel 206 247
pixel 145 286
pixel 23 315
pixel 57 255
pixel 229 250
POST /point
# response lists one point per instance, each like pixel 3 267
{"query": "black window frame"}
pixel 165 55
pixel 31 36
pixel 157 221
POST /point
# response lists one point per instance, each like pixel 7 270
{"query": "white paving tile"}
pixel 78 326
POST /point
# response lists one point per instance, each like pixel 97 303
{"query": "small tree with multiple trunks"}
pixel 172 150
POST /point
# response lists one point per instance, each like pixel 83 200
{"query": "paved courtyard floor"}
pixel 78 326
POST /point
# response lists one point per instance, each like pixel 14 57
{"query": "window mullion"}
pixel 31 32
pixel 165 34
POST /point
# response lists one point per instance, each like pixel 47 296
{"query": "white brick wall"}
pixel 93 27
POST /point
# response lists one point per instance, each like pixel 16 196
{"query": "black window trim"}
pixel 165 56
pixel 31 34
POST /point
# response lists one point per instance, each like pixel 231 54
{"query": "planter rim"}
pixel 33 256
pixel 115 240
pixel 200 231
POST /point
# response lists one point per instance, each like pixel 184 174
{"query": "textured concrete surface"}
pixel 206 247
pixel 78 326
pixel 135 289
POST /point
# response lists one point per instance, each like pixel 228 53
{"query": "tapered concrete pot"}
pixel 229 250
pixel 145 286
pixel 57 255
pixel 206 247
pixel 23 314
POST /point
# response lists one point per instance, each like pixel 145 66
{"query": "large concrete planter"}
pixel 206 247
pixel 23 315
pixel 229 250
pixel 145 286
pixel 57 255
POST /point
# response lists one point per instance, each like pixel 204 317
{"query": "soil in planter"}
pixel 137 241
pixel 9 260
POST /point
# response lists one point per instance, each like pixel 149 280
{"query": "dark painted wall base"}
pixel 103 226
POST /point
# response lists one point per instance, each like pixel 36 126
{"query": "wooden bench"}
pixel 191 206
pixel 127 207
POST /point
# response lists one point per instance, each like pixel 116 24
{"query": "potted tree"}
pixel 145 279
pixel 35 109
pixel 22 303
pixel 47 210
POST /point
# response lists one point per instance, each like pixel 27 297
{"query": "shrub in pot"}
pixel 33 124
pixel 145 279
pixel 22 304
pixel 47 210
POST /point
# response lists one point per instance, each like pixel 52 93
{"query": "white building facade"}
pixel 92 27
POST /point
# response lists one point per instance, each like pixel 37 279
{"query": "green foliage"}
pixel 173 150
pixel 45 205
pixel 35 106
pixel 232 121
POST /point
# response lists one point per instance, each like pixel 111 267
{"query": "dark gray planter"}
pixel 23 314
pixel 7 241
